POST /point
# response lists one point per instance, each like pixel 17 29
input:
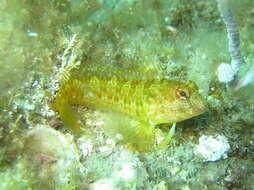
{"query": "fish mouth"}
pixel 200 109
pixel 192 113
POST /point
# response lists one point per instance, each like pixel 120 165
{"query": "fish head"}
pixel 185 101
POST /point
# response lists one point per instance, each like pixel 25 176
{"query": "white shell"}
pixel 225 73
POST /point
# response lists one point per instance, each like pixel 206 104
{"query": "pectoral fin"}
pixel 168 138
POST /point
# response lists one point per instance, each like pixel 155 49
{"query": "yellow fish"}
pixel 139 103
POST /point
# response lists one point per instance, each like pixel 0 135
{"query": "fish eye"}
pixel 182 94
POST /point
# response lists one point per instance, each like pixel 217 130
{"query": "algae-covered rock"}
pixel 51 158
pixel 127 172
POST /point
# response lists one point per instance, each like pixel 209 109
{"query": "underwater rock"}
pixel 128 168
pixel 52 158
pixel 85 146
pixel 213 148
pixel 105 184
pixel 127 172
